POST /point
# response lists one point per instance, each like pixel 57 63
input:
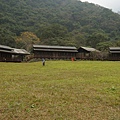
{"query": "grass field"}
pixel 61 90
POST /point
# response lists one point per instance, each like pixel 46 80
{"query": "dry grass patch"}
pixel 61 90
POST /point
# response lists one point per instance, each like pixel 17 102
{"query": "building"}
pixel 8 54
pixel 114 53
pixel 19 54
pixel 86 53
pixel 54 52
pixel 5 53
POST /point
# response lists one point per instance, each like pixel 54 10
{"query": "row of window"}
pixel 4 55
pixel 115 55
pixel 55 53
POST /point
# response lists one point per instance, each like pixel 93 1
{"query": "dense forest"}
pixel 57 22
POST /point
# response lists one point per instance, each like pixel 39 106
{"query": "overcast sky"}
pixel 111 4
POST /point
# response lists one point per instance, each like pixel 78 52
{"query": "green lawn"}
pixel 61 90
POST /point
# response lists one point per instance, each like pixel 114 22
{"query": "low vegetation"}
pixel 61 90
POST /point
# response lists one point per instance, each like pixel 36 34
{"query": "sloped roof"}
pixel 20 51
pixel 5 47
pixel 89 49
pixel 6 51
pixel 54 48
pixel 114 49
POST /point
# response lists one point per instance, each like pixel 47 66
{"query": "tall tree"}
pixel 96 38
pixel 26 40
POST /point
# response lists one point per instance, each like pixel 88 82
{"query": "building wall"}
pixel 8 57
pixel 114 56
pixel 4 57
pixel 54 55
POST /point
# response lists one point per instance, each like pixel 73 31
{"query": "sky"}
pixel 111 4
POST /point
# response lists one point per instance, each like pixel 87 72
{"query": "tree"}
pixel 52 31
pixel 53 34
pixel 104 46
pixel 117 43
pixel 96 38
pixel 56 19
pixel 26 40
pixel 7 37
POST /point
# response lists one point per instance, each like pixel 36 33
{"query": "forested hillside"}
pixel 58 22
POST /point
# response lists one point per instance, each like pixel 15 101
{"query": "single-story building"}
pixel 114 53
pixel 5 53
pixel 19 54
pixel 54 52
pixel 9 54
pixel 87 53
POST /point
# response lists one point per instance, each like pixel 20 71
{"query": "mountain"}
pixel 59 22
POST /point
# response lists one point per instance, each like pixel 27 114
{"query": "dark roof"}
pixel 89 49
pixel 6 51
pixel 5 47
pixel 54 48
pixel 16 51
pixel 114 49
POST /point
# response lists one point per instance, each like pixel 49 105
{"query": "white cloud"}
pixel 111 4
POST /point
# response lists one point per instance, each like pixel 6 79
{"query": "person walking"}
pixel 43 62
